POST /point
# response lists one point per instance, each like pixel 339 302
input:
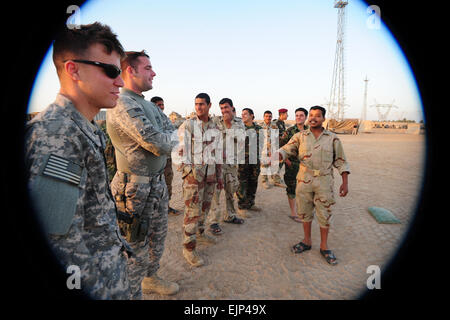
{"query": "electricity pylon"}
pixel 337 96
pixel 383 115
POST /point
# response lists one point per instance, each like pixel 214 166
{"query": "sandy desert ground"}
pixel 254 261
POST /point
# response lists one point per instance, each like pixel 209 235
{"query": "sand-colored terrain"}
pixel 254 261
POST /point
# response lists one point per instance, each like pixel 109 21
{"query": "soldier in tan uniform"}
pixel 292 164
pixel 200 175
pixel 281 125
pixel 269 128
pixel 318 151
pixel 234 128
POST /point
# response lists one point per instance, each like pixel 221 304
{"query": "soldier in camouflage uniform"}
pixel 168 171
pixel 318 151
pixel 200 176
pixel 248 172
pixel 232 127
pixel 66 167
pixel 141 135
pixel 268 128
pixel 110 154
pixel 282 116
pixel 292 163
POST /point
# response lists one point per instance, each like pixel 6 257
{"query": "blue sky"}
pixel 262 54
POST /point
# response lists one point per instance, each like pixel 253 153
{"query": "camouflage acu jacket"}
pixel 68 182
pixel 141 134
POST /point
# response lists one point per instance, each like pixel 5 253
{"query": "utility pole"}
pixel 364 109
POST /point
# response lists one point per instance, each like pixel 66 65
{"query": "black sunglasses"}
pixel 110 70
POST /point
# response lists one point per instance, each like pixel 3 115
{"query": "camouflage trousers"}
pixel 168 175
pixel 248 183
pixel 104 275
pixel 149 200
pixel 270 173
pixel 197 199
pixel 290 178
pixel 230 185
pixel 315 193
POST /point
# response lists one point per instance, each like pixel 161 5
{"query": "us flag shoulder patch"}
pixel 134 112
pixel 63 169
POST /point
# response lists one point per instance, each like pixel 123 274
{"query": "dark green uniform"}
pixel 281 125
pixel 248 174
pixel 282 129
pixel 290 172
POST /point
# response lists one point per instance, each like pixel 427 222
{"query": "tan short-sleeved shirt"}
pixel 316 156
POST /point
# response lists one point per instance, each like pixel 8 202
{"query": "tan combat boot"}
pixel 265 182
pixel 266 185
pixel 205 239
pixel 280 184
pixel 193 258
pixel 155 284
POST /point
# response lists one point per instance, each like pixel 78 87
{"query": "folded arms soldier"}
pixel 141 135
